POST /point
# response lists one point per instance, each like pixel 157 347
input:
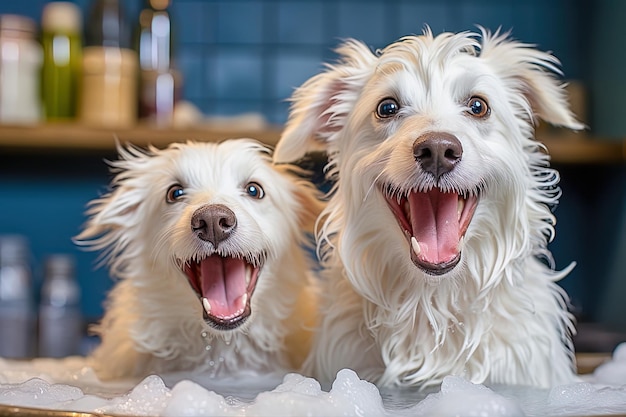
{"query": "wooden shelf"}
pixel 80 138
pixel 567 147
pixel 563 146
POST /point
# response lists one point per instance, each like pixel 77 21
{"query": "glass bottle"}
pixel 107 25
pixel 159 80
pixel 60 317
pixel 17 310
pixel 61 25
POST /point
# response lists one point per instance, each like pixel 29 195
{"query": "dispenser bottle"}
pixel 17 310
pixel 60 318
pixel 110 69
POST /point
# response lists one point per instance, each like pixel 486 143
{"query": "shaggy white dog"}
pixel 434 238
pixel 208 243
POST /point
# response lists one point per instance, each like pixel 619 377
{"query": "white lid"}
pixel 61 16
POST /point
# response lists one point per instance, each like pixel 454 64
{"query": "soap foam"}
pixel 69 384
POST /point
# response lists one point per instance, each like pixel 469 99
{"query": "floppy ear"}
pixel 535 73
pixel 320 106
pixel 309 198
pixel 114 210
pixel 117 211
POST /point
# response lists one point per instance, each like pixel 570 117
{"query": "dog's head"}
pixel 426 135
pixel 212 217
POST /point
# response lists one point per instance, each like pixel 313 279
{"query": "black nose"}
pixel 437 152
pixel 213 223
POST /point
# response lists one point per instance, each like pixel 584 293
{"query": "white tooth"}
pixel 207 305
pixel 248 274
pixel 461 243
pixel 244 299
pixel 460 206
pixel 415 245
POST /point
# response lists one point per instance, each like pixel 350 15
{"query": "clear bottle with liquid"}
pixel 160 82
pixel 60 317
pixel 61 26
pixel 17 307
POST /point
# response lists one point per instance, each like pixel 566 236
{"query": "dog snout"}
pixel 437 152
pixel 213 223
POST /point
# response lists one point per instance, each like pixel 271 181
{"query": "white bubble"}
pixel 71 385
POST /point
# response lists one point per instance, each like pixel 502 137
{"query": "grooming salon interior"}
pixel 227 70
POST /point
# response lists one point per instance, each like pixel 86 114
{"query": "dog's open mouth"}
pixel 225 286
pixel 435 223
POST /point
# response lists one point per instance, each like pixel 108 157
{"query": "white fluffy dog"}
pixel 434 239
pixel 208 243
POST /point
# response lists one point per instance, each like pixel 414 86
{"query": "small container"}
pixel 109 88
pixel 154 41
pixel 159 93
pixel 20 67
pixel 60 317
pixel 61 24
pixel 17 308
pixel 160 82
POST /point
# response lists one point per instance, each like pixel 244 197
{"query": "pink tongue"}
pixel 223 282
pixel 435 225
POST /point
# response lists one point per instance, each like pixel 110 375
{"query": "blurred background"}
pixel 193 69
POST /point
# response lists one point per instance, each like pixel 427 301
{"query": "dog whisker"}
pixel 372 185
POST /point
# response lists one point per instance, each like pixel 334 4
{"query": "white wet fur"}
pixel 498 316
pixel 153 321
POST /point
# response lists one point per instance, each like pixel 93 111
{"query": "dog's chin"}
pixel 224 285
pixel 230 323
pixel 435 270
pixel 434 223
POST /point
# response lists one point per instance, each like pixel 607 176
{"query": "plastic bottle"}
pixel 17 310
pixel 60 317
pixel 20 69
pixel 61 25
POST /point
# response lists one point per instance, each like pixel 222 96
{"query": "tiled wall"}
pixel 247 56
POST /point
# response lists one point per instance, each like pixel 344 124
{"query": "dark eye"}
pixel 478 107
pixel 174 193
pixel 387 108
pixel 254 190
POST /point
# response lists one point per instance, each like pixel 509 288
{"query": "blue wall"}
pixel 247 56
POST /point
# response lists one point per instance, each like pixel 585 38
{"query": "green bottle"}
pixel 61 25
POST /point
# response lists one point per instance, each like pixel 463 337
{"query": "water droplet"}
pixel 211 363
pixel 205 334
pixel 207 347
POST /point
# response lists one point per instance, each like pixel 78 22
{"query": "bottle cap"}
pixel 13 248
pixel 60 264
pixel 15 25
pixel 61 16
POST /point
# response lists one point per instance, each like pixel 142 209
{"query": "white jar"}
pixel 20 70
